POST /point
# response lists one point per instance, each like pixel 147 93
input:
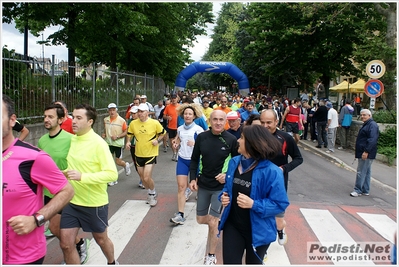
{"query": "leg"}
pixel 233 245
pixel 68 245
pixel 146 176
pixel 319 135
pixel 360 175
pixel 366 184
pixel 105 244
pixel 212 223
pixel 330 136
pixel 54 225
pixel 181 188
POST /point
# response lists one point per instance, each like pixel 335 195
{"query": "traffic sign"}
pixel 374 88
pixel 375 69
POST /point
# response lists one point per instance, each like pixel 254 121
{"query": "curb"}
pixel 341 163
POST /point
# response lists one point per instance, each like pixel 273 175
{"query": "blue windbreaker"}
pixel 269 195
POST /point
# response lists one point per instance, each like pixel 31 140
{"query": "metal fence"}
pixel 34 83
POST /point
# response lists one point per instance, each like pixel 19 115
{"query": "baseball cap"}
pixel 134 109
pixel 143 96
pixel 143 107
pixel 233 115
pixel 329 105
pixel 112 105
pixel 246 100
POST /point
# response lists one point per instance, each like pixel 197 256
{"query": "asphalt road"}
pixel 318 182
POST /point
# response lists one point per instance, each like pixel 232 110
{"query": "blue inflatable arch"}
pixel 213 67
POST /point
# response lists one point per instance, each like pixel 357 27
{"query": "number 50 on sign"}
pixel 375 69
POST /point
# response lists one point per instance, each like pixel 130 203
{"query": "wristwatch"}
pixel 39 218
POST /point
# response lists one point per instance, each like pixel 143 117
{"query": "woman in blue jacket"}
pixel 253 194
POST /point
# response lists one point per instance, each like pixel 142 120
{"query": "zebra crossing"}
pixel 306 222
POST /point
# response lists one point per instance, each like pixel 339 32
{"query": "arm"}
pixel 23 133
pixel 284 115
pixel 295 154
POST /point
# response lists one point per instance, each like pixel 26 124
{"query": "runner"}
pixel 185 140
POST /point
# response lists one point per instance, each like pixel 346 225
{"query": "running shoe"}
pixel 83 250
pixel 282 237
pixel 178 219
pixel 152 199
pixel 141 185
pixel 48 233
pixel 112 183
pixel 165 149
pixel 210 260
pixel 188 193
pixel 127 169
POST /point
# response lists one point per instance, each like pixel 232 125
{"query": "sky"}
pixel 15 40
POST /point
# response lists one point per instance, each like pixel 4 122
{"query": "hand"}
pixel 244 201
pixel 22 224
pixel 193 185
pixel 127 146
pixel 221 178
pixel 103 135
pixel 73 175
pixel 225 199
pixel 365 155
pixel 154 142
pixel 190 143
pixel 113 137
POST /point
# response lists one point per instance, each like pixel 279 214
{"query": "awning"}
pixel 357 87
pixel 341 88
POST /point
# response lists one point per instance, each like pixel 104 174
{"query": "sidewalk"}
pixel 381 173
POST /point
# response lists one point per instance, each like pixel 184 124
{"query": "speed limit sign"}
pixel 375 69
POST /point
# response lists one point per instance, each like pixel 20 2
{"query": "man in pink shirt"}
pixel 26 170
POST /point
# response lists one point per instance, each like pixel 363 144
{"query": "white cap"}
pixel 134 109
pixel 143 96
pixel 112 105
pixel 143 107
pixel 233 115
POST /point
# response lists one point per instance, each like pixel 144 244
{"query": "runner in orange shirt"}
pixel 170 114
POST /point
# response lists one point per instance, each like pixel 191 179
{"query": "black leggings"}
pixel 234 244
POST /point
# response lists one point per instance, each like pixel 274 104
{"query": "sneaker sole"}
pixel 176 223
pixel 286 240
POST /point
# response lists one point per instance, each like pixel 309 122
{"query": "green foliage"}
pixel 387 142
pixel 385 116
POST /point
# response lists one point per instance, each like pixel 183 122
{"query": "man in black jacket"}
pixel 320 116
pixel 213 149
pixel 268 119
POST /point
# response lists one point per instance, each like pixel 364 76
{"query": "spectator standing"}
pixel 252 196
pixel 90 168
pixel 320 90
pixel 56 143
pixel 365 152
pixel 312 122
pixel 304 96
pixel 26 171
pixel 332 125
pixel 345 121
pixel 290 148
pixel 320 117
pixel 211 154
pixel 305 121
pixel 148 133
pixel 342 103
pixel 185 140
pixel 170 114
